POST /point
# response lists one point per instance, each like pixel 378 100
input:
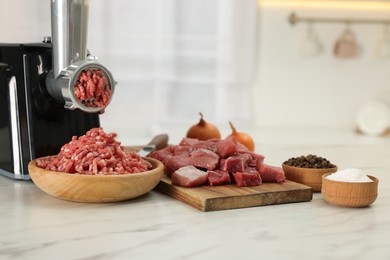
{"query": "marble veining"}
pixel 35 225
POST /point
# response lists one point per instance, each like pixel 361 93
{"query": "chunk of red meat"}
pixel 175 162
pixel 226 148
pixel 251 170
pixel 218 177
pixel 221 165
pixel 244 179
pixel 188 141
pixel 270 173
pixel 236 163
pixel 161 154
pixel 255 157
pixel 204 158
pixel 189 176
pixel 181 149
pixel 247 158
pixel 210 144
pixel 240 146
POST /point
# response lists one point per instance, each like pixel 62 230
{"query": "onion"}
pixel 203 130
pixel 242 138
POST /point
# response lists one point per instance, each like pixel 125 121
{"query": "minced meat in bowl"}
pixel 94 153
pixel 95 168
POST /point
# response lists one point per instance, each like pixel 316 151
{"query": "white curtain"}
pixel 172 58
pixel 175 58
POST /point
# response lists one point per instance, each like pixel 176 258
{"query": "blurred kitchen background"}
pixel 237 60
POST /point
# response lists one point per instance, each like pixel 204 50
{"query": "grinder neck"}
pixel 69 19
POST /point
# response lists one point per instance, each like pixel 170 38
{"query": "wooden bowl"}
pixel 96 188
pixel 308 176
pixel 350 194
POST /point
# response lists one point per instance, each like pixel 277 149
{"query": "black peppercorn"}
pixel 309 161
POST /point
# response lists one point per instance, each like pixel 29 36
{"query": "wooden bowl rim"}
pixel 32 165
pixel 310 169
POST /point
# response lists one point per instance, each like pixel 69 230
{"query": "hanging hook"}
pixel 293 19
pixel 347 26
pixel 309 26
pixel 386 28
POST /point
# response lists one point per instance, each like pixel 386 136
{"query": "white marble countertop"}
pixel 35 225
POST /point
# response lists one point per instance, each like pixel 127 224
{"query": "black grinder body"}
pixel 32 123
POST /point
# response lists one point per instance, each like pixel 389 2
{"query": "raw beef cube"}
pixel 175 162
pixel 240 146
pixel 235 163
pixel 161 154
pixel 181 149
pixel 204 158
pixel 251 170
pixel 188 141
pixel 210 144
pixel 218 177
pixel 270 173
pixel 244 179
pixel 246 157
pixel 226 148
pixel 222 164
pixel 255 157
pixel 189 176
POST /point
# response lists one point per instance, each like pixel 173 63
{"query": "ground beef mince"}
pixel 92 88
pixel 95 153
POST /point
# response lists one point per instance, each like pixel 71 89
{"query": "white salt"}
pixel 349 175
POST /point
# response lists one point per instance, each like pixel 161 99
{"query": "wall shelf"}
pixel 294 19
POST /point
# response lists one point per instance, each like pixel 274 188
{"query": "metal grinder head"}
pixel 77 79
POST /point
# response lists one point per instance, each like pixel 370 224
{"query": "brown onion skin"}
pixel 203 130
pixel 242 138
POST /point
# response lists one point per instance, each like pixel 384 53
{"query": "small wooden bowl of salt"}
pixel 349 188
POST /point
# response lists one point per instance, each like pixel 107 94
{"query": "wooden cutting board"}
pixel 209 198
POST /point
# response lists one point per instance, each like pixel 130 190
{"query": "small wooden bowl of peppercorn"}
pixel 308 170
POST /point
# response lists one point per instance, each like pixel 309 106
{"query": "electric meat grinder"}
pixel 50 91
